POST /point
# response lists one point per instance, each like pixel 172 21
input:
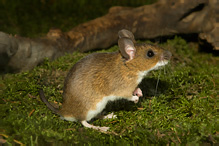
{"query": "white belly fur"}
pixel 100 106
pixel 72 119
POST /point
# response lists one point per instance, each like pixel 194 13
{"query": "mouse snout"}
pixel 166 55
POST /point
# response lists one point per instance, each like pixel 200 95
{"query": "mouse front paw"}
pixel 135 99
pixel 138 92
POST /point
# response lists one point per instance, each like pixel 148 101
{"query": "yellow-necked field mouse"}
pixel 102 77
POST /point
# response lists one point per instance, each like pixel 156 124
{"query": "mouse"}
pixel 102 77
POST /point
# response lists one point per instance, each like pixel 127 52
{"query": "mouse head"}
pixel 143 57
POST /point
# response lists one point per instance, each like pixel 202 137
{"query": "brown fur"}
pixel 103 74
pixel 101 77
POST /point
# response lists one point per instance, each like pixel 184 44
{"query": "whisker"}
pixel 157 83
pixel 170 73
pixel 164 70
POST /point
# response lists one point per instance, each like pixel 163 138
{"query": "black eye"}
pixel 150 53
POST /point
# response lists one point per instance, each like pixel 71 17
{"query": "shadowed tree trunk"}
pixel 166 17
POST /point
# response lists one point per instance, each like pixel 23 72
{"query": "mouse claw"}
pixel 138 92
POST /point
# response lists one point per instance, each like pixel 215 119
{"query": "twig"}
pixel 31 113
pixel 140 108
pixel 16 141
pixel 112 122
pixel 4 100
pixel 213 82
pixel 176 135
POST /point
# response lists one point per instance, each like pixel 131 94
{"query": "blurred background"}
pixel 33 18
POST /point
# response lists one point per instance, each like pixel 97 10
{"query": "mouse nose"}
pixel 166 55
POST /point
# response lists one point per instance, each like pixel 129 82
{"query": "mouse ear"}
pixel 125 33
pixel 127 48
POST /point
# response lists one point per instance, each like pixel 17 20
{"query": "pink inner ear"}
pixel 130 51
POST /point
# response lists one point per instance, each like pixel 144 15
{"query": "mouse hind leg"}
pixel 86 124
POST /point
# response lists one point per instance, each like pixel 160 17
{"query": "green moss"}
pixel 183 110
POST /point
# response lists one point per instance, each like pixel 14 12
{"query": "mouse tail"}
pixel 43 98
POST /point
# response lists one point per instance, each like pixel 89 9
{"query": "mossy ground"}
pixel 182 109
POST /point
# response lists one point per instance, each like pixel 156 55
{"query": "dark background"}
pixel 33 18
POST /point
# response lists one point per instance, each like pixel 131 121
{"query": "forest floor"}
pixel 182 109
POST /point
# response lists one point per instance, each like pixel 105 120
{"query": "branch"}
pixel 159 19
